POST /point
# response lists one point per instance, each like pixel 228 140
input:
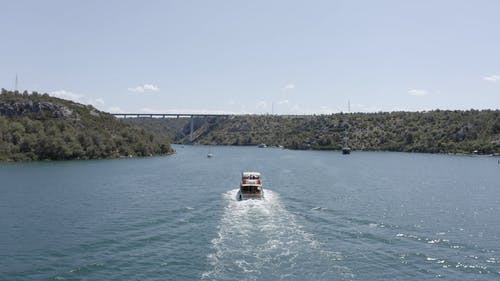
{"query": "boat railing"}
pixel 251 181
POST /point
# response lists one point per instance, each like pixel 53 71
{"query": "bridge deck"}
pixel 165 115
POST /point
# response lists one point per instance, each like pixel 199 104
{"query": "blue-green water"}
pixel 326 216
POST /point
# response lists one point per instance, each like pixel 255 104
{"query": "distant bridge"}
pixel 166 115
pixel 171 115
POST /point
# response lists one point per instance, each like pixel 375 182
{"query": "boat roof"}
pixel 247 174
pixel 251 184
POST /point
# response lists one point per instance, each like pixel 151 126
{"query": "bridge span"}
pixel 192 116
pixel 166 115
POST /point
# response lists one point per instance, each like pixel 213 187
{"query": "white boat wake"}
pixel 260 239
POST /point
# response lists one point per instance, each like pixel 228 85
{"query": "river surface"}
pixel 325 216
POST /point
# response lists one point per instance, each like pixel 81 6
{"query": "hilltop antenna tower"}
pixel 348 106
pixel 16 83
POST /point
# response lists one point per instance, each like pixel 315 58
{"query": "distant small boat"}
pixel 210 155
pixel 250 187
pixel 346 150
pixel 262 145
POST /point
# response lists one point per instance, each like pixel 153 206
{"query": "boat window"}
pixel 250 189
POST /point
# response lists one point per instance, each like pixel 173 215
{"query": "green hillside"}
pixel 438 131
pixel 40 127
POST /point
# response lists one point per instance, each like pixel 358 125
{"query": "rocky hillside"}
pixel 436 131
pixel 40 127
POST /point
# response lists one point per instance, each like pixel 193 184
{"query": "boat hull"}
pixel 246 196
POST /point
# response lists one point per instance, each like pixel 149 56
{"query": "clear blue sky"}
pixel 245 56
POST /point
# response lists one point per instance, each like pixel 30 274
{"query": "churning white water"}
pixel 260 239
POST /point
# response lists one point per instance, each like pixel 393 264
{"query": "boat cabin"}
pixel 250 178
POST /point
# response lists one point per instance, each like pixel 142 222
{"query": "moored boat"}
pixel 346 150
pixel 250 186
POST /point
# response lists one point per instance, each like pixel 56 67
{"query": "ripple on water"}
pixel 446 260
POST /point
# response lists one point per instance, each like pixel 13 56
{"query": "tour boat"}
pixel 250 187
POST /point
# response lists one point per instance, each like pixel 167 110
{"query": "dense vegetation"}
pixel 436 131
pixel 40 127
pixel 172 128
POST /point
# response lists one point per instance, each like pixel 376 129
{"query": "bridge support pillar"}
pixel 191 131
